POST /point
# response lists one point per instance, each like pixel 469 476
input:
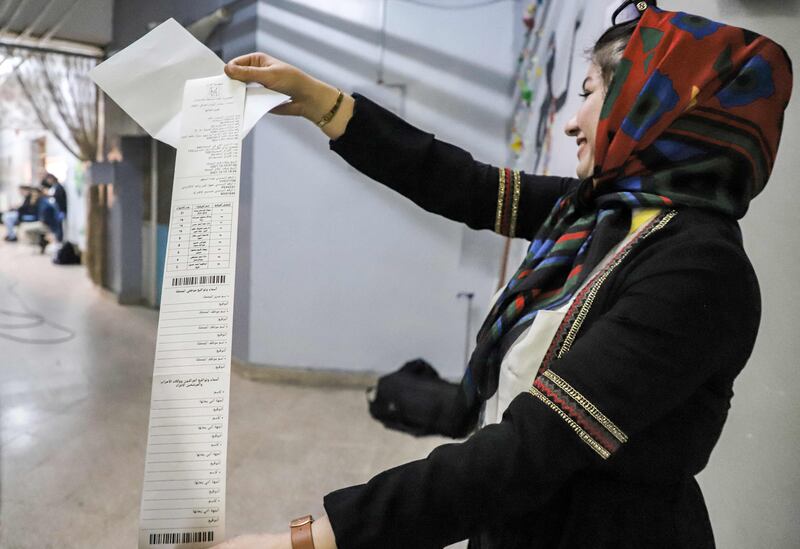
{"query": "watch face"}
pixel 296 523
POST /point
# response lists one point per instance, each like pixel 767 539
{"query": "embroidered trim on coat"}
pixel 591 425
pixel 587 405
pixel 501 194
pixel 576 413
pixel 512 226
pixel 508 192
pixel 584 436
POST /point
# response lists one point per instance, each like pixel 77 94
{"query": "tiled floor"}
pixel 74 422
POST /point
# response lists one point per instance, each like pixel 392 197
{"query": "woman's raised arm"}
pixel 435 175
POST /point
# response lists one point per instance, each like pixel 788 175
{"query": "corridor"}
pixel 74 421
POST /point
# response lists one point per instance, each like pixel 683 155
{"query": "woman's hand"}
pixel 311 98
pixel 321 532
pixel 257 541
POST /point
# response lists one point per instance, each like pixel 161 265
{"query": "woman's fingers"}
pixel 267 71
pixel 255 59
pixel 253 67
pixel 247 73
pixel 269 78
pixel 281 77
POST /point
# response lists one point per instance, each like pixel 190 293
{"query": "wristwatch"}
pixel 301 532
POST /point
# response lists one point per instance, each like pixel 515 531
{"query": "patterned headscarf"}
pixel 692 118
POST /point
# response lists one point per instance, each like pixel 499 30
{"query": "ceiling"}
pixel 85 21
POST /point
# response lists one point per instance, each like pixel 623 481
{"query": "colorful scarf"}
pixel 692 118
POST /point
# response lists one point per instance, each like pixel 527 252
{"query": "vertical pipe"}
pixel 501 277
pixel 100 115
pixel 153 221
pixel 469 296
pixel 382 51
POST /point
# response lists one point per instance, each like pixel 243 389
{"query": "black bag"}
pixel 67 255
pixel 416 400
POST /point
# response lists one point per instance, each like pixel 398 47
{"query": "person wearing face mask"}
pixel 603 373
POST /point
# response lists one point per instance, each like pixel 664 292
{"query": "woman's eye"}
pixel 585 94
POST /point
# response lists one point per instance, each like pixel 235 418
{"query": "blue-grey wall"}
pixel 346 274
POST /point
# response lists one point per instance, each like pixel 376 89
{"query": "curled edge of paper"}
pixel 149 86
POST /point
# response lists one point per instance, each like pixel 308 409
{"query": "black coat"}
pixel 60 196
pixel 654 359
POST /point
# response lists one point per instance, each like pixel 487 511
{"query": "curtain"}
pixel 65 99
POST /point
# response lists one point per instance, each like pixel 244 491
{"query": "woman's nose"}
pixel 571 129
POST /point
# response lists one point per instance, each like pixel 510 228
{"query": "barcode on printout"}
pixel 180 537
pixel 193 280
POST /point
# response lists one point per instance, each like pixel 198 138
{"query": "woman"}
pixel 604 370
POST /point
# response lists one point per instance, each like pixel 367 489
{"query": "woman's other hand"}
pixel 257 541
pixel 311 98
pixel 321 532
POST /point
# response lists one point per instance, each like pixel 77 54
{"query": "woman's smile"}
pixel 583 124
pixel 581 147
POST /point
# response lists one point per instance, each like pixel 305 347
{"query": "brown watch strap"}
pixel 301 533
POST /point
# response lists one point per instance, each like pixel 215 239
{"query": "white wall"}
pixel 752 484
pixel 345 274
pixel 15 164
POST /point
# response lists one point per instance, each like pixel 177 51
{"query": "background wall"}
pixel 752 484
pixel 345 273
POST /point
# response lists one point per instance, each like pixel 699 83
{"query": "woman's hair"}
pixel 607 51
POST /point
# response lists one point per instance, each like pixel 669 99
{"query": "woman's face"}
pixel 583 126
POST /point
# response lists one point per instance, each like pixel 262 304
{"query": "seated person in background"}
pixel 28 211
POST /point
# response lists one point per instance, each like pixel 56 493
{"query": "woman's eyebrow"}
pixel 585 80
